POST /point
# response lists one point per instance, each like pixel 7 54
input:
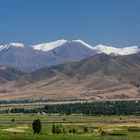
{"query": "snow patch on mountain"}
pixel 117 51
pixel 7 46
pixel 17 45
pixel 49 46
pixel 82 42
pixel 52 45
pixel 2 47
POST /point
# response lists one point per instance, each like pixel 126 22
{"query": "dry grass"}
pixel 17 129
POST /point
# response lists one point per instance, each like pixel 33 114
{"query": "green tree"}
pixel 53 129
pixel 36 125
pixel 73 131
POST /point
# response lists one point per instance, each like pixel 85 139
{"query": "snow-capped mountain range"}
pixel 99 48
pixel 32 57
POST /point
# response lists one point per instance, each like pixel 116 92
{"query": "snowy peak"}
pixel 82 42
pixel 17 45
pixel 117 51
pixel 49 46
pixel 52 45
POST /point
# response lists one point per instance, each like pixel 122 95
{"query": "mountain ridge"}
pixel 52 45
pixel 33 57
pixel 99 77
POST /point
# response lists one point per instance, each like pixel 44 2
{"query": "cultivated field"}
pixel 19 127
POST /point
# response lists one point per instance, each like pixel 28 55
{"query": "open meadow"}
pixel 18 126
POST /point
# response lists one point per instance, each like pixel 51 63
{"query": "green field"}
pixel 97 127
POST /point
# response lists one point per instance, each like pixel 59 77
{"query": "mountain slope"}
pixel 100 77
pixel 109 65
pixel 58 88
pixel 9 74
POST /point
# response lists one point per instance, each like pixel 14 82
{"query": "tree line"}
pixel 94 108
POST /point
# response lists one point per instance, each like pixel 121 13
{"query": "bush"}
pixel 85 129
pixel 12 120
pixel 56 129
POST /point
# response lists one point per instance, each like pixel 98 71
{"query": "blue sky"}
pixel 108 22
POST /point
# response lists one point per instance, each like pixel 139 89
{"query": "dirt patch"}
pixel 17 129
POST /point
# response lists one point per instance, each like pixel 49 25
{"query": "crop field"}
pixel 19 127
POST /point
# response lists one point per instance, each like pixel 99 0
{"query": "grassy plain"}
pixel 99 127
